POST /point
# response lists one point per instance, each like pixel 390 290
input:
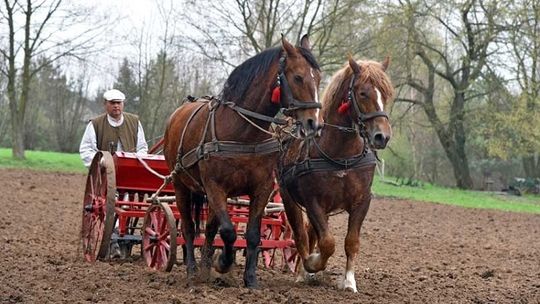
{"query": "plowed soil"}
pixel 411 252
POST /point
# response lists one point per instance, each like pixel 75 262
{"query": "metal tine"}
pixel 145 197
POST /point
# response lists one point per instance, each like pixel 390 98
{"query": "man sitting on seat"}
pixel 114 130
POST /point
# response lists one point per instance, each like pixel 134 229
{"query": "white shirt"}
pixel 88 147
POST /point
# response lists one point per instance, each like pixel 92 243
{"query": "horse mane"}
pixel 240 80
pixel 371 71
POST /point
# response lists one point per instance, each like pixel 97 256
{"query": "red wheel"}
pixel 98 207
pixel 290 254
pixel 159 237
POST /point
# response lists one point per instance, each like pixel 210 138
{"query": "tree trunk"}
pixel 17 134
pixel 531 166
pixel 460 166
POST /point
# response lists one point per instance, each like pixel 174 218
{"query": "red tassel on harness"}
pixel 276 95
pixel 344 107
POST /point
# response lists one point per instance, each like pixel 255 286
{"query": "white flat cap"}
pixel 115 95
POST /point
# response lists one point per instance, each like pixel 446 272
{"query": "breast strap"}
pixel 292 172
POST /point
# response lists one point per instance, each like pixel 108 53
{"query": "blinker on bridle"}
pixel 282 92
pixel 351 99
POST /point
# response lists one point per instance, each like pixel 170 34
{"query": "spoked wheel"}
pixel 287 254
pixel 159 237
pixel 98 207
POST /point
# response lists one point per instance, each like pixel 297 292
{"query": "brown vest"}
pixel 126 133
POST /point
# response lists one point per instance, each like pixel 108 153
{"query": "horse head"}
pixel 369 94
pixel 299 77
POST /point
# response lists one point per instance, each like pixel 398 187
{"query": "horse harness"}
pixel 231 148
pixel 368 157
pixel 223 148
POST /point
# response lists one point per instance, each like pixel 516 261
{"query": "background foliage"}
pixel 466 72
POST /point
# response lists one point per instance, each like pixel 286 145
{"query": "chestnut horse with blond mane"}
pixel 335 171
pixel 221 147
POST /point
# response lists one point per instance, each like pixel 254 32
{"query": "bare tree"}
pixel 456 60
pixel 524 41
pixel 41 21
pixel 4 110
pixel 228 31
pixel 241 28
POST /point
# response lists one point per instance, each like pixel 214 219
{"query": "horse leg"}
pixel 217 201
pixel 352 244
pixel 253 238
pixel 183 202
pixel 326 244
pixel 312 238
pixel 207 254
pixel 301 274
pixel 296 221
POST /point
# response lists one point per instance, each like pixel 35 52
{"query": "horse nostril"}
pixel 311 125
pixel 380 140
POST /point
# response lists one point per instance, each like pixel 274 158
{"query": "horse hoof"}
pixel 221 267
pixel 312 263
pixel 191 272
pixel 252 285
pixel 348 286
pixel 351 288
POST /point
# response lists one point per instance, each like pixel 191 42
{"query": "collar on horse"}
pixel 289 174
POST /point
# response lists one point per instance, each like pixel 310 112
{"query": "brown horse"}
pixel 334 172
pixel 221 146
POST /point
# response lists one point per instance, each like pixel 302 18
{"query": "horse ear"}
pixel 304 42
pixel 385 63
pixel 288 47
pixel 354 65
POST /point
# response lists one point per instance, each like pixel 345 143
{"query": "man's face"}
pixel 114 108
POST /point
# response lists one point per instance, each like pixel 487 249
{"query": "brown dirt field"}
pixel 411 253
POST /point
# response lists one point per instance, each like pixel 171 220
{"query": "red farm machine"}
pixel 120 209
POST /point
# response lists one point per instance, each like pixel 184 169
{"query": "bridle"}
pixel 287 102
pixel 361 118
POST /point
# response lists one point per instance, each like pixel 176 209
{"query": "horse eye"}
pixel 298 78
pixel 363 95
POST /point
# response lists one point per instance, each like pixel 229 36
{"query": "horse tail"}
pixel 197 204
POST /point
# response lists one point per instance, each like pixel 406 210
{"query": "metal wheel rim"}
pixel 159 237
pixel 98 207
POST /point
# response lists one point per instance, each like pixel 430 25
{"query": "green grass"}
pixel 452 196
pixel 39 160
pixel 71 162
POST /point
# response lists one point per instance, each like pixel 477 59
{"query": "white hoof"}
pixel 348 283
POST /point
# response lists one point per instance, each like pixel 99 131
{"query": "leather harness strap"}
pixel 291 173
pixel 228 148
pixel 222 148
